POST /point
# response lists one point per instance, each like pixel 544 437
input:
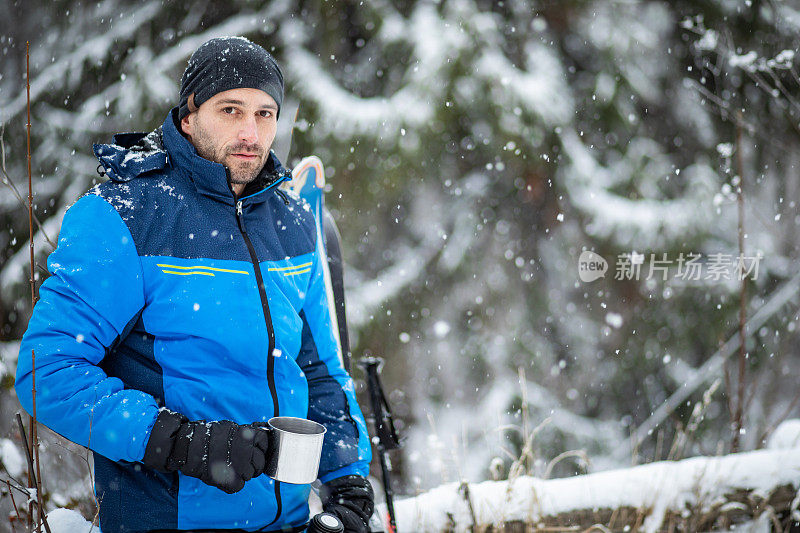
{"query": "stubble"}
pixel 241 172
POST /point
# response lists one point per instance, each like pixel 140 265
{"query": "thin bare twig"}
pixel 14 503
pixel 780 419
pixel 32 279
pixel 31 473
pixel 19 487
pixel 523 383
pixel 722 108
pixel 728 381
pixel 32 480
pixel 37 478
pixel 8 181
pixel 37 461
pixel 740 391
pixel 748 401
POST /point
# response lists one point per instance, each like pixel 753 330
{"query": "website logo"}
pixel 591 266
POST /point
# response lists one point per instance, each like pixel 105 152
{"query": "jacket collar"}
pixel 211 179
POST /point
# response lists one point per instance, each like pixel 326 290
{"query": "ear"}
pixel 186 125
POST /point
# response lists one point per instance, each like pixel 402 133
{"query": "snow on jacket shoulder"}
pixel 166 292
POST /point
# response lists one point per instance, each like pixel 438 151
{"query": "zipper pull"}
pixel 239 208
pixel 282 194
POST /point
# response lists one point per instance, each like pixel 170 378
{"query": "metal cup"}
pixel 297 445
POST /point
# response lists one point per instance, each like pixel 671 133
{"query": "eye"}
pixel 266 113
pixel 229 110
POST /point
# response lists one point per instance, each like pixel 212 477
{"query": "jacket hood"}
pixel 131 155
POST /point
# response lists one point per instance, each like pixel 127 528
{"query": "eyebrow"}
pixel 242 104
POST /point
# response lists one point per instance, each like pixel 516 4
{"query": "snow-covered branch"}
pixel 69 69
pixel 646 223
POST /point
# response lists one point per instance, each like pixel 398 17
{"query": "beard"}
pixel 241 172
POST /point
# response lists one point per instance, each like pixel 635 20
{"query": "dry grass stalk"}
pixel 463 489
pixel 683 437
pixel 580 454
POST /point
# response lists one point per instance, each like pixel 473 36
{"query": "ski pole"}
pixel 384 428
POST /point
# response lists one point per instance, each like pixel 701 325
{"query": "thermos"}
pixel 325 523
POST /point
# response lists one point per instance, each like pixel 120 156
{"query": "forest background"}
pixel 474 150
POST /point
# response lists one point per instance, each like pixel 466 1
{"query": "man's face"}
pixel 235 128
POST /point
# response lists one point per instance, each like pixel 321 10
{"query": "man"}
pixel 186 307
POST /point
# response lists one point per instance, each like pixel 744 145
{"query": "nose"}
pixel 248 132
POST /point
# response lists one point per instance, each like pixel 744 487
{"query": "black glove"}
pixel 222 454
pixel 351 499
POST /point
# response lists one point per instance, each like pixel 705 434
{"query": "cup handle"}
pixel 274 448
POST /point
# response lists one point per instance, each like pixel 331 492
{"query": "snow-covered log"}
pixel 697 494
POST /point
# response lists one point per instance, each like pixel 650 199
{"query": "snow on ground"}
pixel 68 521
pixel 663 486
pixel 787 435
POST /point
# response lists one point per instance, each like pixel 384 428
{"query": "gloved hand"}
pixel 222 454
pixel 351 499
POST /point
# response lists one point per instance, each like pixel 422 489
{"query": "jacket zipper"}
pixel 262 292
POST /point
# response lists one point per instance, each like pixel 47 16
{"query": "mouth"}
pixel 244 156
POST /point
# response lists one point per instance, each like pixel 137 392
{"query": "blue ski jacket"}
pixel 167 291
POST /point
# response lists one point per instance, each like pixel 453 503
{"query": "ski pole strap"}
pixel 384 424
